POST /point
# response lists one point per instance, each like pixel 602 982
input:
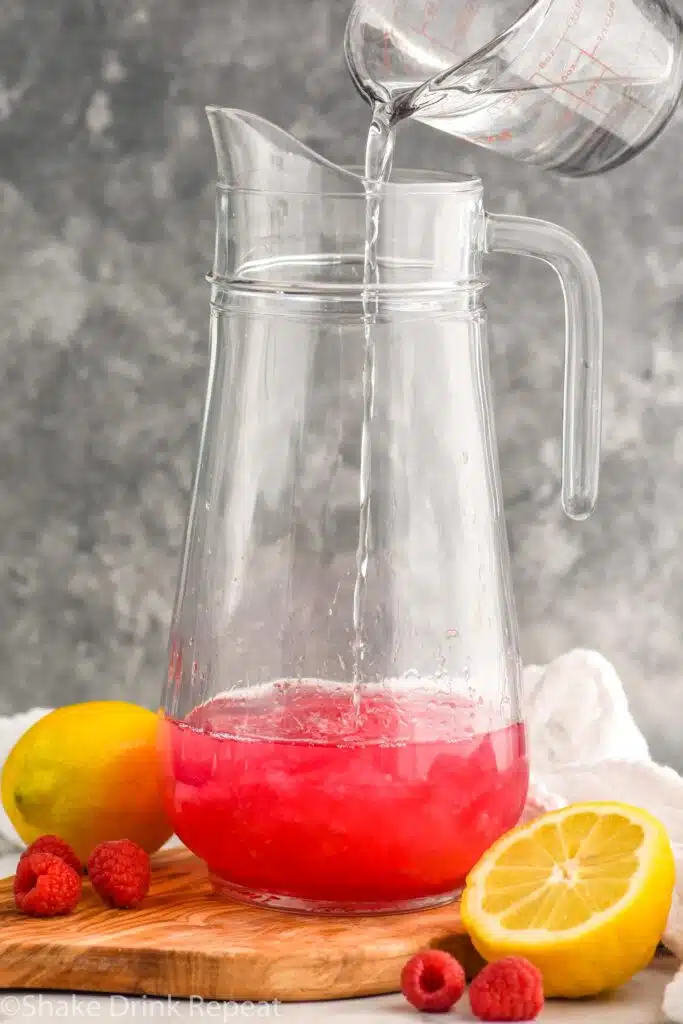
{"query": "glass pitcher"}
pixel 573 86
pixel 342 729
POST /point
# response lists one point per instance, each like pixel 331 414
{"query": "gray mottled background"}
pixel 106 176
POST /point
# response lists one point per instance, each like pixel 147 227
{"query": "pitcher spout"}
pixel 277 201
pixel 254 154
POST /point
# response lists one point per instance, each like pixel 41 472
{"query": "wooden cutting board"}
pixel 185 941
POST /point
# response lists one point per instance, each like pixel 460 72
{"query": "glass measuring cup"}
pixel 574 86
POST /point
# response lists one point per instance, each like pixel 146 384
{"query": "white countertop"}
pixel 637 1003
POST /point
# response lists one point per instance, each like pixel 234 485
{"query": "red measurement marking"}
pixel 505 104
pixel 611 71
pixel 431 9
pixel 505 136
pixel 549 56
pixel 596 60
pixel 464 22
pixel 386 56
pixel 581 100
pixel 594 85
pixel 430 39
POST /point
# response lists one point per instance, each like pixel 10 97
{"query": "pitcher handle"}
pixel 583 347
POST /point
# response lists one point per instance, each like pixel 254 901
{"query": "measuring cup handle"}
pixel 583 347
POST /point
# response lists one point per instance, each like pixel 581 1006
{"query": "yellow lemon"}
pixel 584 893
pixel 88 773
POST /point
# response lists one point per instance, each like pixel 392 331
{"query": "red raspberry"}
pixel 119 872
pixel 58 847
pixel 433 981
pixel 45 885
pixel 508 989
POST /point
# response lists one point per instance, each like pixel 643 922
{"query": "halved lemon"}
pixel 584 893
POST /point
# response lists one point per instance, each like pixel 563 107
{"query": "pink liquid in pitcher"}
pixel 296 798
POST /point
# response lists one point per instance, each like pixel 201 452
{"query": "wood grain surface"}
pixel 185 941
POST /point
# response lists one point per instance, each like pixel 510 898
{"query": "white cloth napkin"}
pixel 10 730
pixel 584 745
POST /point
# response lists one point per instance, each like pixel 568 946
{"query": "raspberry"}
pixel 119 872
pixel 508 989
pixel 45 885
pixel 433 981
pixel 58 847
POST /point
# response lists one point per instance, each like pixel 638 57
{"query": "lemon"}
pixel 88 773
pixel 584 893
